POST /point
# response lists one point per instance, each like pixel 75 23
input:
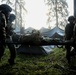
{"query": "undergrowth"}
pixel 54 63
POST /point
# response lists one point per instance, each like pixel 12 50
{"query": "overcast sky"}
pixel 36 16
pixel 70 6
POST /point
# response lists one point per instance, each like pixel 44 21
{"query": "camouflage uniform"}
pixel 6 11
pixel 69 35
pixel 2 33
pixel 9 32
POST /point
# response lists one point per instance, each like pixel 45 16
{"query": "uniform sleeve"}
pixel 3 20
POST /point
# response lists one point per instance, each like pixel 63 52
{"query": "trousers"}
pixel 11 48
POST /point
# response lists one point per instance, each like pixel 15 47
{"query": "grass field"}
pixel 53 64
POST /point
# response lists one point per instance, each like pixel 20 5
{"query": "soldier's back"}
pixel 69 30
pixel 2 26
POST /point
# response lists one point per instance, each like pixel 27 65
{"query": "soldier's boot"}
pixel 11 61
pixel 68 56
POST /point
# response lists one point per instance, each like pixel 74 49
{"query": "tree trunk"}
pixel 20 19
pixel 75 8
pixel 15 13
pixel 56 13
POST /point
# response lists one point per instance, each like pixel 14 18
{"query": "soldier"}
pixel 9 33
pixel 6 11
pixel 2 33
pixel 69 35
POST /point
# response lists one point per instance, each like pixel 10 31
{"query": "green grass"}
pixel 53 64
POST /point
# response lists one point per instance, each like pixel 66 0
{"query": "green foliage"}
pixel 53 64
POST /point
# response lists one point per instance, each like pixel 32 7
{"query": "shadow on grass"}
pixel 30 64
pixel 5 69
pixel 24 57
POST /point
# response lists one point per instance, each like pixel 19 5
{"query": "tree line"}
pixel 57 12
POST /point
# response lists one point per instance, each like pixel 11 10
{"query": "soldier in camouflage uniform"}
pixel 6 11
pixel 69 35
pixel 9 33
pixel 2 33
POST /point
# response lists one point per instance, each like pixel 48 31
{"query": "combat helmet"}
pixel 71 18
pixel 12 17
pixel 5 8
